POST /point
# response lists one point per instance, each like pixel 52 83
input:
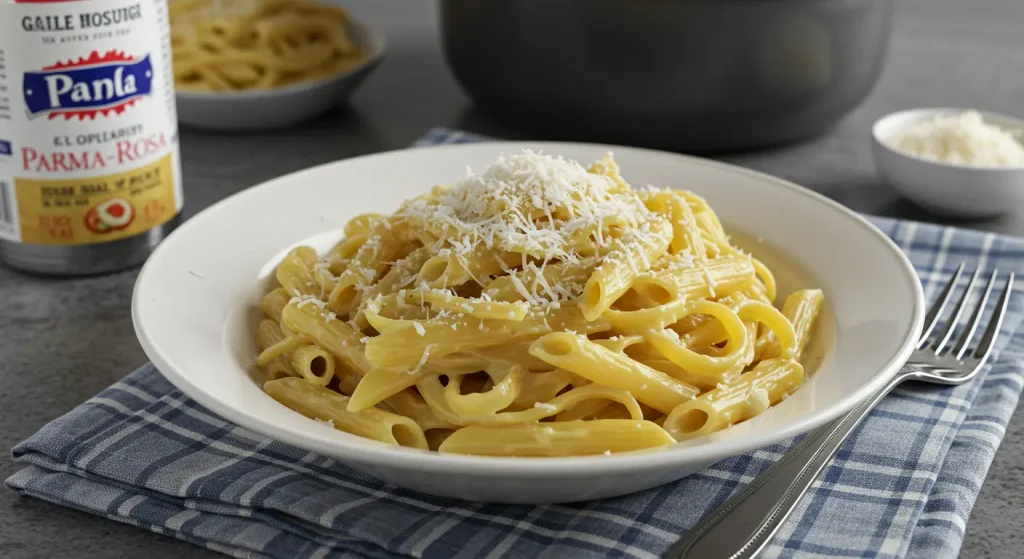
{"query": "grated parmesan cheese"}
pixel 308 300
pixel 324 267
pixel 757 401
pixel 711 280
pixel 539 207
pixel 521 289
pixel 961 139
pixel 423 359
pixel 550 408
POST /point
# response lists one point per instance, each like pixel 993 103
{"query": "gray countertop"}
pixel 63 340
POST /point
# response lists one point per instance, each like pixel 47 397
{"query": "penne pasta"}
pixel 678 281
pixel 379 383
pixel 329 406
pixel 450 267
pixel 614 276
pixel 366 266
pixel 739 400
pixel 273 303
pixel 323 327
pixel 314 364
pixel 801 309
pixel 295 272
pixel 563 438
pixel 600 365
pixel 535 309
pixel 686 235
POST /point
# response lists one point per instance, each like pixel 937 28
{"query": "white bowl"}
pixel 943 188
pixel 195 311
pixel 283 106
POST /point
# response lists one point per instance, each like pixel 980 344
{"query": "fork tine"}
pixel 988 340
pixel 932 318
pixel 972 326
pixel 947 333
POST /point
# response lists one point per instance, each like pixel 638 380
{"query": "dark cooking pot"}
pixel 680 74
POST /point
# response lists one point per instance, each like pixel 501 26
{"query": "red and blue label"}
pixel 99 84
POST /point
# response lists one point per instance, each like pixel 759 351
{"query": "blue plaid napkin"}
pixel 142 453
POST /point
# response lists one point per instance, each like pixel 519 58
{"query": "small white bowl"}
pixel 282 106
pixel 944 188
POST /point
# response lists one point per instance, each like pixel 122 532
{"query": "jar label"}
pixel 88 131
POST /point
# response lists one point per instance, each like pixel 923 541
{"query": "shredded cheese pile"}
pixel 540 208
pixel 532 204
pixel 962 139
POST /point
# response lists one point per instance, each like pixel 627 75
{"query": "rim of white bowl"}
pixel 914 115
pixel 623 463
pixel 376 44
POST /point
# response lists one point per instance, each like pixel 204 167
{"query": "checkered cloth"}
pixel 142 453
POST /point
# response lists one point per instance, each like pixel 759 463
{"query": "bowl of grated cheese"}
pixel 954 162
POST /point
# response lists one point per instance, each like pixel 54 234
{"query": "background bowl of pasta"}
pixel 537 331
pixel 263 64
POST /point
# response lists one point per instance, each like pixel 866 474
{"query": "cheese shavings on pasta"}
pixel 538 308
pixel 532 204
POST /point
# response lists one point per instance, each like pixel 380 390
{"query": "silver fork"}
pixel 744 524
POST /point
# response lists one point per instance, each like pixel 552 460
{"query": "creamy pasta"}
pixel 230 45
pixel 538 308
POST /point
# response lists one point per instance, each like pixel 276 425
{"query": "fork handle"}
pixel 743 525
